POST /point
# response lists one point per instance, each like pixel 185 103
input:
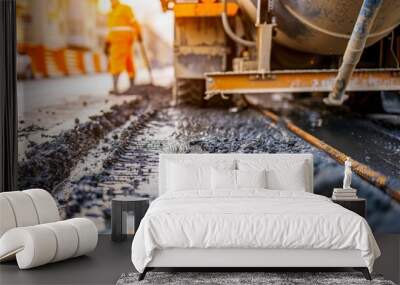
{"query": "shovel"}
pixel 146 60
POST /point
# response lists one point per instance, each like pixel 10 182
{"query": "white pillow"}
pixel 281 174
pixel 231 180
pixel 192 172
pixel 183 177
pixel 251 179
pixel 223 179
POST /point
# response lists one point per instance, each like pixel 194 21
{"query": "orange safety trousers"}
pixel 121 56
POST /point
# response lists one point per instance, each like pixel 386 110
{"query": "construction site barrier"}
pixel 46 62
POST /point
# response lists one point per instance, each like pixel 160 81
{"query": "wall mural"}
pixel 85 146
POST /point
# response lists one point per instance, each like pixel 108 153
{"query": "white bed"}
pixel 248 227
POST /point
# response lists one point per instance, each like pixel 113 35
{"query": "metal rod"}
pixel 370 175
pixel 354 50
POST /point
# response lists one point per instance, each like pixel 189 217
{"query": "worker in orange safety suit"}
pixel 123 31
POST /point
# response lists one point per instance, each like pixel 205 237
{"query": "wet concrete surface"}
pixel 46 107
pixel 47 164
pixel 45 122
pixel 366 139
pixel 127 162
pixel 116 153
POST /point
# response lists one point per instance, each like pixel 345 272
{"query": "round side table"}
pixel 120 208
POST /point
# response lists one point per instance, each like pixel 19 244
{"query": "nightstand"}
pixel 121 208
pixel 358 205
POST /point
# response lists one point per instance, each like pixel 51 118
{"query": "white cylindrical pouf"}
pixel 45 205
pixel 67 239
pixel 87 234
pixel 7 218
pixel 34 246
pixel 23 208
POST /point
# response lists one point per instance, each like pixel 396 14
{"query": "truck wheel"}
pixel 192 92
pixel 189 92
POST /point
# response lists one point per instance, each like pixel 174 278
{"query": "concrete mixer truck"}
pixel 336 48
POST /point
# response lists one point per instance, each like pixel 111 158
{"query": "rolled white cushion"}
pixel 246 179
pixel 66 238
pixel 46 207
pixel 23 208
pixel 7 218
pixel 87 235
pixel 37 245
pixel 33 246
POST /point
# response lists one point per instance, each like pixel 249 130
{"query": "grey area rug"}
pixel 269 278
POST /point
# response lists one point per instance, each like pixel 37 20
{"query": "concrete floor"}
pixel 110 259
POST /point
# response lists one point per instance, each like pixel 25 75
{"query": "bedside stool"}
pixel 358 205
pixel 120 208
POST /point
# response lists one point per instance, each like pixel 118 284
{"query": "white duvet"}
pixel 250 219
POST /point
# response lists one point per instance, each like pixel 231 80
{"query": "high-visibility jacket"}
pixel 122 24
pixel 123 30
